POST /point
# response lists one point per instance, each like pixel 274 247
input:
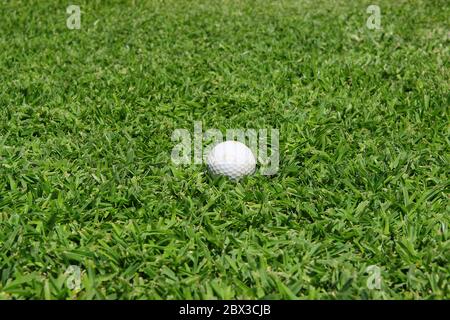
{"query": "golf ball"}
pixel 232 159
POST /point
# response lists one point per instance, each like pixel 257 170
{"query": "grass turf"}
pixel 85 137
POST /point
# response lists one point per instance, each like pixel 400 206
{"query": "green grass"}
pixel 86 118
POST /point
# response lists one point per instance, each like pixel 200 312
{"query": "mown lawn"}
pixel 86 180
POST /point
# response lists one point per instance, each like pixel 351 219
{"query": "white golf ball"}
pixel 232 159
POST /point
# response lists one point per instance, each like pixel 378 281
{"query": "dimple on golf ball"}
pixel 232 159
